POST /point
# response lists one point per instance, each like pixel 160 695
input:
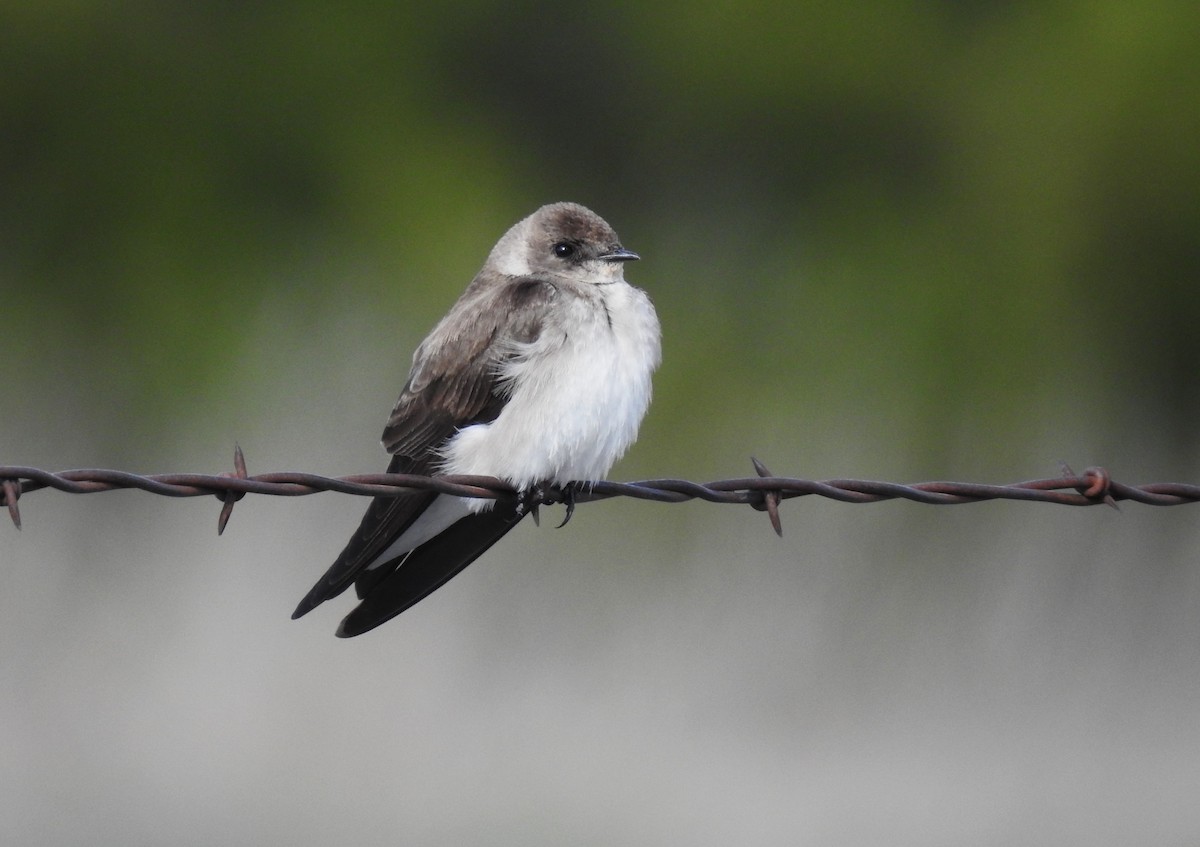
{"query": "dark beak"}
pixel 620 254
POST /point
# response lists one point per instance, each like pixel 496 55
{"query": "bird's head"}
pixel 563 240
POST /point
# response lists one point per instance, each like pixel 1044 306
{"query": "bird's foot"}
pixel 531 499
pixel 568 499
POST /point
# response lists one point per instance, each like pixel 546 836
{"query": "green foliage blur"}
pixel 945 229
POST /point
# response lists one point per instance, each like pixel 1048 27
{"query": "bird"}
pixel 539 375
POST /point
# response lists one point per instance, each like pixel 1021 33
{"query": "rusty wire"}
pixel 764 492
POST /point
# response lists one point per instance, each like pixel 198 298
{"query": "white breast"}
pixel 579 394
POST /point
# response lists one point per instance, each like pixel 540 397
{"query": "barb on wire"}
pixel 764 492
pixel 231 497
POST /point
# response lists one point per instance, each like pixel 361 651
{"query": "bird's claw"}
pixel 528 502
pixel 533 498
pixel 568 498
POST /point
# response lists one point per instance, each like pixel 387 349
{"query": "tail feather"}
pixel 392 588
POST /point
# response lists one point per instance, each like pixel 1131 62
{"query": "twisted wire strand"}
pixel 764 492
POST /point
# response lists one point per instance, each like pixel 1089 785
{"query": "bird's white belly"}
pixel 576 403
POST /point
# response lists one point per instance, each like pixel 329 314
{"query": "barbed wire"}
pixel 763 492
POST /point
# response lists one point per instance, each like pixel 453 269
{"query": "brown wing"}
pixel 454 383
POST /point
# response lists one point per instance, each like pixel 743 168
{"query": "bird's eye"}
pixel 564 250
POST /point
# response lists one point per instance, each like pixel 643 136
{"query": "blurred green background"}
pixel 891 240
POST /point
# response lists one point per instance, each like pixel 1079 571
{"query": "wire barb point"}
pixel 770 499
pixel 12 490
pixel 230 497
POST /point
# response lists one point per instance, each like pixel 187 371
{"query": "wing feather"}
pixel 454 382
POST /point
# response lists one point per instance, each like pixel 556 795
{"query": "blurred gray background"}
pixel 895 240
